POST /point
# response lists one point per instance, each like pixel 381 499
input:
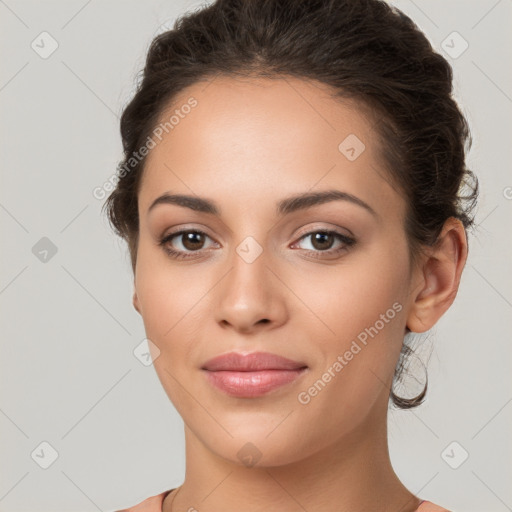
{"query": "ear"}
pixel 438 277
pixel 135 302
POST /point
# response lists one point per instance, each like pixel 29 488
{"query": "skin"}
pixel 248 144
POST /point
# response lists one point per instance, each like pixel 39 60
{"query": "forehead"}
pixel 253 136
pixel 262 113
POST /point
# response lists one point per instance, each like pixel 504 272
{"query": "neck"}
pixel 354 472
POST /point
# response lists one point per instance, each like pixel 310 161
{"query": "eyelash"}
pixel 347 241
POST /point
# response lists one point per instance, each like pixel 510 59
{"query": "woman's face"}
pixel 266 278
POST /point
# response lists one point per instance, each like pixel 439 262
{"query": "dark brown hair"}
pixel 365 50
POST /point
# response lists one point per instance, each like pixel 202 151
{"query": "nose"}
pixel 250 297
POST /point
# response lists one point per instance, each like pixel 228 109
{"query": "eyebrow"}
pixel 284 207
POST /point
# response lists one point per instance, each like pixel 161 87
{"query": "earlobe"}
pixel 135 302
pixel 440 277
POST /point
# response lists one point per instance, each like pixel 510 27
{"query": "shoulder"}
pixel 428 506
pixel 151 504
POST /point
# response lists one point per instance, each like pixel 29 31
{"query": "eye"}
pixel 322 242
pixel 190 240
pixel 193 240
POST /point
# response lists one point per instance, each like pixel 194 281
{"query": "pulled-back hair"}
pixel 365 50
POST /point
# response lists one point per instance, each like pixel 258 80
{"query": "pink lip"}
pixel 253 374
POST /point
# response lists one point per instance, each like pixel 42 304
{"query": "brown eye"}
pixel 323 243
pixel 322 240
pixel 183 244
pixel 192 240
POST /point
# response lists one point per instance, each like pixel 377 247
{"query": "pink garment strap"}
pixel 428 506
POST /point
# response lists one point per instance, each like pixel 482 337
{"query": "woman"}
pixel 290 195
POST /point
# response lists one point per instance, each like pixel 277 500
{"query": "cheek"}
pixel 353 297
pixel 363 304
pixel 162 293
pixel 366 314
pixel 174 302
pixel 171 307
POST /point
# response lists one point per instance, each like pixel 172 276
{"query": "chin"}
pixel 256 448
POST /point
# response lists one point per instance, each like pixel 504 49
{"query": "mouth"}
pixel 251 375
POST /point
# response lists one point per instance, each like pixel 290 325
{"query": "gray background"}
pixel 68 373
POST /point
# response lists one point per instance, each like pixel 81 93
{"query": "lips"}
pixel 251 375
pixel 255 361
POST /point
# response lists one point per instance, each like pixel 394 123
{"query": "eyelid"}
pixel 185 228
pixel 306 231
pixel 346 242
pixel 180 231
pixel 326 227
pixel 183 255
